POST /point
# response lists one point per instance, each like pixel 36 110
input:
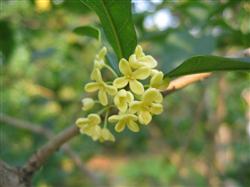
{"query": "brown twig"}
pixel 21 124
pixel 36 128
pixel 43 153
pixel 184 81
pixel 9 177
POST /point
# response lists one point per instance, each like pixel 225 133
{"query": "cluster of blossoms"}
pixel 129 102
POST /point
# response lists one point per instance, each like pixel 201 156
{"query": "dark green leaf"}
pixel 7 40
pixel 201 64
pixel 116 20
pixel 88 31
pixel 112 60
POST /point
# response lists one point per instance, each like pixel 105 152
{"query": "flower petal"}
pixel 116 100
pixel 122 107
pixel 89 130
pixel 95 133
pixel 141 73
pixel 133 62
pixel 145 117
pixel 92 87
pixel 136 87
pixel 102 96
pixel 96 75
pixel 120 82
pixel 139 51
pixel 111 90
pixel 102 53
pixel 156 108
pixel 133 126
pixel 94 119
pixel 156 80
pixel 106 135
pixel 122 93
pixel 152 95
pixel 135 106
pixel 124 67
pixel 114 118
pixel 120 126
pixel 164 84
pixel 87 103
pixel 130 97
pixel 131 117
pixel 148 61
pixel 81 122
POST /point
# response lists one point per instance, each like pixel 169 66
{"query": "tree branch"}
pixel 36 128
pixel 33 127
pixel 184 81
pixel 38 158
pixel 9 177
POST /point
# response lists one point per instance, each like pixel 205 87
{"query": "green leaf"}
pixel 88 31
pixel 111 59
pixel 201 64
pixel 7 40
pixel 116 20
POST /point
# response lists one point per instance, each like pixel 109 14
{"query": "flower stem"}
pixel 102 110
pixel 106 109
pixel 106 119
pixel 111 70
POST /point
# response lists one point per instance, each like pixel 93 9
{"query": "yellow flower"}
pixel 101 86
pixel 130 77
pixel 149 104
pixel 139 59
pixel 87 103
pixel 158 81
pixel 99 61
pixel 89 125
pixel 123 120
pixel 105 135
pixel 122 99
pixel 101 55
pixel 42 5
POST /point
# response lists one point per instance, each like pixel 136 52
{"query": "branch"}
pixel 42 154
pixel 9 177
pixel 48 149
pixel 184 81
pixel 36 128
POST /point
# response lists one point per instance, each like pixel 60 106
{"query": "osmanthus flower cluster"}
pixel 126 100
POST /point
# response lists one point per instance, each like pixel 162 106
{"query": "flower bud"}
pixel 88 103
pixel 106 135
pixel 158 81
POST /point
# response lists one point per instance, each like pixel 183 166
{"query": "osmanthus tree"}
pixel 129 96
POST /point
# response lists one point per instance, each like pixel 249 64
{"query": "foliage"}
pixel 45 66
pixel 88 31
pixel 201 64
pixel 116 19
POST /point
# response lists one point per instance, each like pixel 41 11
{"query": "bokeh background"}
pixel 203 137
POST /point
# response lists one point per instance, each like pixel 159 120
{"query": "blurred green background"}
pixel 202 138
